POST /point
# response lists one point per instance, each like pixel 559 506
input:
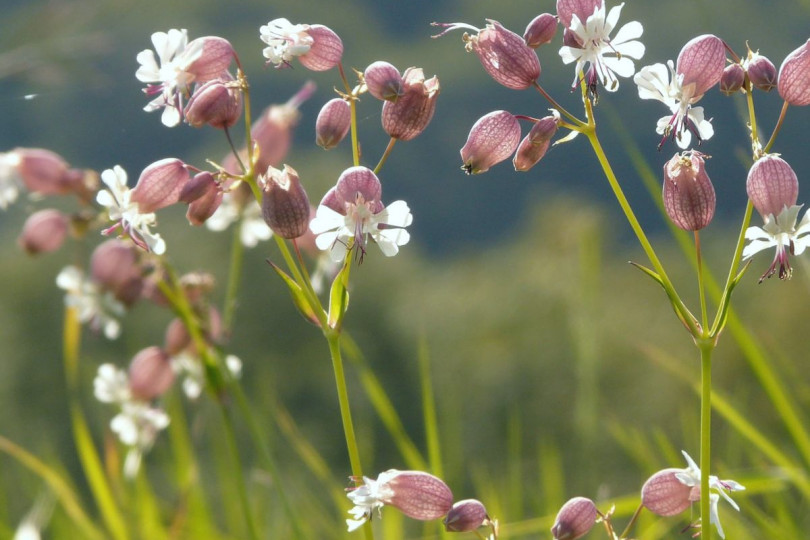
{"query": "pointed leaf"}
pixel 339 295
pixel 298 296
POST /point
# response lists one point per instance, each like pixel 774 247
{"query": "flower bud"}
pixel 42 171
pixel 761 72
pixel 535 144
pixel 412 112
pixel 214 58
pixel 575 519
pixel 417 494
pixel 505 56
pixel 43 231
pixel 541 30
pixel 772 185
pixel 176 338
pixel 465 516
pixel 203 196
pixel 492 139
pixel 701 62
pixel 160 184
pixel 664 494
pixel 732 79
pixel 383 81
pixel 150 373
pixel 285 204
pixel 333 123
pixel 114 266
pixel 688 194
pixel 794 76
pixel 583 9
pixel 217 103
pixel 326 49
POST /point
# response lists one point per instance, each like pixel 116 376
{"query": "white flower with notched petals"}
pixel 252 227
pixel 285 41
pixel 100 309
pixel 782 233
pixel 117 198
pixel 608 57
pixel 367 498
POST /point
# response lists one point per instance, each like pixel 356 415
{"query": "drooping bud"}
pixel 701 62
pixel 333 123
pixel 505 56
pixel 41 171
pixel 325 51
pixel 217 103
pixel 732 79
pixel 160 184
pixel 412 112
pixel 761 72
pixel 664 494
pixel 285 204
pixel 383 81
pixel 575 519
pixel 114 266
pixel 794 76
pixel 535 144
pixel 541 30
pixel 688 194
pixel 203 196
pixel 772 185
pixel 492 139
pixel 150 373
pixel 43 231
pixel 583 9
pixel 465 516
pixel 214 58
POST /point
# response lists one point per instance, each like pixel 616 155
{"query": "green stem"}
pixel 777 128
pixel 632 522
pixel 385 155
pixel 557 106
pixel 234 278
pixel 704 317
pixel 706 348
pixel 230 439
pixel 333 338
pixel 353 109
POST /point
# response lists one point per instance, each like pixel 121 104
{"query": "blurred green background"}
pixel 547 350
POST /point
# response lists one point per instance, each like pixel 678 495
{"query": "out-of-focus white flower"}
pixel 252 227
pixel 191 368
pixel 101 310
pixel 10 182
pixel 285 41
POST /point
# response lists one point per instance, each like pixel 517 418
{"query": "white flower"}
pixel 661 83
pixel 117 199
pixel 285 41
pixel 608 57
pixel 10 182
pixel 782 233
pixel 170 75
pixel 369 497
pixel 111 385
pixel 252 227
pixel 92 306
pixel 691 477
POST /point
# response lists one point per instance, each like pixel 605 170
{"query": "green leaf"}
pixel 298 296
pixel 339 295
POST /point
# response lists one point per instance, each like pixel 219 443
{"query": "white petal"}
pixel 325 219
pixel 398 214
pixel 631 30
pixel 389 239
pixel 612 17
pixel 623 67
pixel 170 116
pixel 632 49
pixel 570 54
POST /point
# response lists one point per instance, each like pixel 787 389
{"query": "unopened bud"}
pixel 583 9
pixel 150 373
pixel 732 79
pixel 203 196
pixel 575 519
pixel 505 56
pixel 43 231
pixel 535 144
pixel 761 72
pixel 492 139
pixel 383 81
pixel 217 103
pixel 772 185
pixel 794 76
pixel 412 112
pixel 701 62
pixel 465 516
pixel 326 49
pixel 664 494
pixel 333 123
pixel 114 266
pixel 160 184
pixel 541 30
pixel 688 194
pixel 285 204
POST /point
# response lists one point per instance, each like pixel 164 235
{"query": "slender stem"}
pixel 722 309
pixel 385 155
pixel 777 128
pixel 234 279
pixel 333 338
pixel 353 110
pixel 230 439
pixel 704 317
pixel 557 106
pixel 632 522
pixel 706 348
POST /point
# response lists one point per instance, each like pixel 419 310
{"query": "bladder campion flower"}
pixel 575 519
pixel 317 47
pixel 465 516
pixel 688 194
pixel 492 139
pixel 410 114
pixel 794 76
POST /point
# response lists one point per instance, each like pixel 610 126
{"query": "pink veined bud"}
pixel 326 49
pixel 465 516
pixel 42 171
pixel 688 194
pixel 272 131
pixel 160 184
pixel 505 56
pixel 664 495
pixel 43 231
pixel 418 495
pixel 575 519
pixel 217 103
pixel 772 185
pixel 541 30
pixel 761 72
pixel 150 373
pixel 535 144
pixel 492 139
pixel 732 79
pixel 203 196
pixel 583 9
pixel 412 112
pixel 285 204
pixel 333 123
pixel 215 58
pixel 114 266
pixel 353 182
pixel 794 76
pixel 383 81
pixel 701 62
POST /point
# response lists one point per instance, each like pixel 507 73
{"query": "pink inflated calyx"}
pixel 42 171
pixel 203 196
pixel 665 495
pixel 701 62
pixel 114 266
pixel 285 205
pixel 540 30
pixel 794 76
pixel 43 231
pixel 408 116
pixel 326 49
pixel 215 58
pixel 492 139
pixel 761 72
pixel 575 519
pixel 688 194
pixel 772 185
pixel 272 131
pixel 333 123
pixel 217 102
pixel 419 495
pixel 505 56
pixel 583 9
pixel 150 373
pixel 160 184
pixel 465 516
pixel 536 143
pixel 732 79
pixel 383 81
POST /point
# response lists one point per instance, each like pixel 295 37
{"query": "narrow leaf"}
pixel 298 296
